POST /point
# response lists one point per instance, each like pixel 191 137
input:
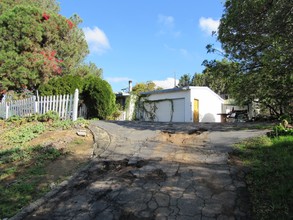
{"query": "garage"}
pixel 187 104
pixel 164 110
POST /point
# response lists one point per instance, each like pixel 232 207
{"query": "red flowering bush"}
pixel 70 24
pixel 52 62
pixel 42 46
pixel 46 16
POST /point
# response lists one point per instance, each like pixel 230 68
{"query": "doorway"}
pixel 195 110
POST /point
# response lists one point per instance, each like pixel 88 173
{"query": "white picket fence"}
pixel 65 105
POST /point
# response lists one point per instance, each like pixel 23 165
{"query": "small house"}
pixel 187 104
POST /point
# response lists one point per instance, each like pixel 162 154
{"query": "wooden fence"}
pixel 65 105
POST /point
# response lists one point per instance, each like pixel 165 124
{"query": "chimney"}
pixel 129 86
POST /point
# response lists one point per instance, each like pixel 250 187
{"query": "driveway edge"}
pixel 101 142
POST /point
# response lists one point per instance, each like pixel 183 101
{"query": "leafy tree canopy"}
pixel 220 76
pixel 50 5
pixel 145 87
pixel 258 35
pixel 88 69
pixel 37 44
pixel 184 80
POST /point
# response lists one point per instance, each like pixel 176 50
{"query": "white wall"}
pixel 181 103
pixel 210 104
pixel 131 107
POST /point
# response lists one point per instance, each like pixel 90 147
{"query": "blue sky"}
pixel 150 40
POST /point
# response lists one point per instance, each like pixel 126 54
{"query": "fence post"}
pixel 75 105
pixel 36 105
pixel 6 111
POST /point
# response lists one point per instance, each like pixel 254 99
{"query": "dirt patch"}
pixel 79 146
pixel 183 138
pixel 78 152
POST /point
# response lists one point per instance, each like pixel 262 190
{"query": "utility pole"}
pixel 174 79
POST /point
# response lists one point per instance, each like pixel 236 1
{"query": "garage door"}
pixel 164 112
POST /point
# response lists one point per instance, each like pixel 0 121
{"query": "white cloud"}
pixel 169 48
pixel 167 25
pixel 97 40
pixel 208 25
pixel 166 84
pixel 181 51
pixel 166 21
pixel 117 79
pixel 184 52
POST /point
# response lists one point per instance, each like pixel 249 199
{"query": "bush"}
pixel 96 93
pixel 286 117
pixel 49 116
pixel 62 85
pixel 281 130
pixel 98 97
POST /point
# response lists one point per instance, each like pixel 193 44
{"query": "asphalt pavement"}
pixel 144 170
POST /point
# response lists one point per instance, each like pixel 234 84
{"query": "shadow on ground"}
pixel 147 189
pixel 186 126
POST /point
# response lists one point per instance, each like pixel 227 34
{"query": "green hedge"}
pixel 62 85
pixel 98 97
pixel 96 93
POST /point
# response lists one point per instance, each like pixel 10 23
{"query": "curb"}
pixel 102 140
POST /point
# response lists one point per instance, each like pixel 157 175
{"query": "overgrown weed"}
pixel 270 181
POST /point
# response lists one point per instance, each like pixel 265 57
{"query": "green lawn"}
pixel 270 180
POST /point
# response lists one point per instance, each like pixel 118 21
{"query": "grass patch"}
pixel 22 167
pixel 270 182
pixel 24 133
pixel 21 176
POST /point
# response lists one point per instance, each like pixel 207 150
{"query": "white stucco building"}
pixel 188 104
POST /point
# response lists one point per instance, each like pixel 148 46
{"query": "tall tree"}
pixel 145 87
pixel 258 34
pixel 220 76
pixel 49 5
pixel 184 80
pixel 37 44
pixel 88 69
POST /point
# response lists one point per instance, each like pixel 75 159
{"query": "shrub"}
pixel 98 97
pixel 286 117
pixel 281 130
pixel 96 93
pixel 62 85
pixel 49 116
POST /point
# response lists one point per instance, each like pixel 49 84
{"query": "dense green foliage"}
pixel 50 5
pixel 220 76
pixel 144 87
pixel 282 129
pixel 258 36
pixel 270 178
pixel 88 69
pixel 98 97
pixel 185 80
pixel 95 92
pixel 62 85
pixel 37 44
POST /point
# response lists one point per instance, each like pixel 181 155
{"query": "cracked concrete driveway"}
pixel 154 171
